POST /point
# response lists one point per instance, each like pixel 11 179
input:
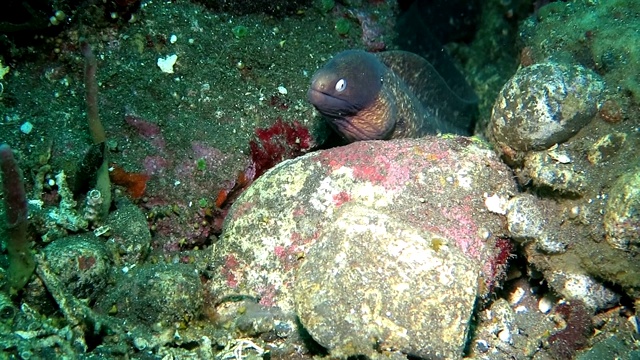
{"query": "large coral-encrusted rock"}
pixel 373 283
pixel 450 188
pixel 544 104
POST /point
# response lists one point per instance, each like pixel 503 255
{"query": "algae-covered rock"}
pixel 600 34
pixel 82 263
pixel 374 284
pixel 438 196
pixel 544 104
pixel 622 217
pixel 130 239
pixel 551 173
pixel 161 294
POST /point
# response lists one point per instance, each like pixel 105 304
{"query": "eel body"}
pixel 388 95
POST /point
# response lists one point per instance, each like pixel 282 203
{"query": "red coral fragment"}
pixel 279 142
pixel 135 183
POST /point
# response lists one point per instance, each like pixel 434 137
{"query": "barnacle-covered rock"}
pixel 129 234
pixel 576 285
pixel 622 216
pixel 527 221
pixel 524 218
pixel 544 104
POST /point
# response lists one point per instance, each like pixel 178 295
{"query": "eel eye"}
pixel 341 85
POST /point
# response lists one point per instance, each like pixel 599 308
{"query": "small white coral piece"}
pixel 166 64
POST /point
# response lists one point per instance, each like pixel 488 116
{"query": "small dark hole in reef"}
pixel 191 345
pixel 94 337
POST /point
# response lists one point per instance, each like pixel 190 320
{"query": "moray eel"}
pixel 388 95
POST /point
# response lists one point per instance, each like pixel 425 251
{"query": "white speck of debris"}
pixel 545 304
pixel 26 334
pixel 173 38
pixel 520 309
pixel 176 183
pixel 496 204
pixel 560 157
pixel 102 230
pixel 166 64
pixel 36 203
pixel 505 336
pixel 26 127
pixel 516 295
pixel 282 90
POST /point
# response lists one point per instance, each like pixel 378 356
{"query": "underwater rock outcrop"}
pixel 441 197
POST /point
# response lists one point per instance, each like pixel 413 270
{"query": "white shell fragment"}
pixel 166 64
pixel 496 204
pixel 545 304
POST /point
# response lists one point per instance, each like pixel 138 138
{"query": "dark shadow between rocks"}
pixel 310 344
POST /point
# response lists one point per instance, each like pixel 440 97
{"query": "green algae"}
pixel 342 26
pixel 240 31
pixel 602 34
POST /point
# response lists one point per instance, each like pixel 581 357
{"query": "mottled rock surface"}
pixel 434 185
pixel 622 217
pixel 565 124
pixel 160 295
pixel 375 284
pixel 129 240
pixel 82 263
pixel 544 104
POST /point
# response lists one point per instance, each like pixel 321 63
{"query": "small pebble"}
pixel 516 296
pixel 545 304
pixel 26 127
pixel 482 346
pixel 505 336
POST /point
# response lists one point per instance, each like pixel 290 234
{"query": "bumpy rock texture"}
pixel 161 295
pixel 373 283
pixel 544 104
pixel 570 136
pixel 83 264
pixel 599 34
pixel 436 187
pixel 622 217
